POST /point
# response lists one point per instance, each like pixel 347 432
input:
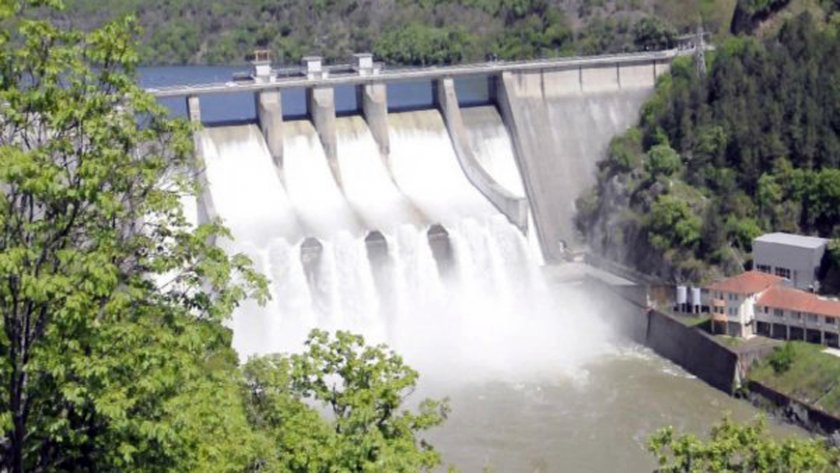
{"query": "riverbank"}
pixel 807 394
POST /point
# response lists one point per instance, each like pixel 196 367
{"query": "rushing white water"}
pixel 311 185
pixel 366 181
pixel 245 187
pixel 426 169
pixel 492 146
pixel 484 311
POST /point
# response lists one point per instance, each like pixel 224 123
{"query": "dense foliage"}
pixel 746 448
pixel 399 31
pixel 113 356
pixel 753 146
pixel 361 387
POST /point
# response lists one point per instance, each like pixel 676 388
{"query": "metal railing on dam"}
pixel 343 75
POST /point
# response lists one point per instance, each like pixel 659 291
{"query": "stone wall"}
pixel 810 417
pixel 695 351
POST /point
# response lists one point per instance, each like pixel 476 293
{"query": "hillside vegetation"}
pixel 805 372
pixel 750 147
pixel 399 31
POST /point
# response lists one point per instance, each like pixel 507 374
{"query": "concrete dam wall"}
pixel 529 148
pixel 426 204
pixel 562 122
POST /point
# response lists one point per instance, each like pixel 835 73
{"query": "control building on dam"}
pixel 372 142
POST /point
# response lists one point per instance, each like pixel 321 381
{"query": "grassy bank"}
pixel 805 372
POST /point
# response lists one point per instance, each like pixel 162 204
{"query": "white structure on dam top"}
pixel 558 116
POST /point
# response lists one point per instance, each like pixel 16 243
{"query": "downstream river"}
pixel 597 419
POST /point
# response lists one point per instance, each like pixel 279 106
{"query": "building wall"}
pixel 806 322
pixel 803 263
pixel 738 309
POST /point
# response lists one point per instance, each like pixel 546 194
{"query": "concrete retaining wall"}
pixel 810 417
pixel 695 351
pixel 513 207
pixel 692 349
pixel 506 91
pixel 661 67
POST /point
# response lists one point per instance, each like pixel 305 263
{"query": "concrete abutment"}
pixel 321 105
pixel 374 105
pixel 511 206
pixel 270 121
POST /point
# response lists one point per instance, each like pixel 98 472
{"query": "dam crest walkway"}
pixel 347 75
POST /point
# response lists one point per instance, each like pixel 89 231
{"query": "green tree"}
pixel 673 224
pixel 652 33
pixel 740 447
pixel 113 356
pixel 662 160
pixel 111 302
pixel 363 389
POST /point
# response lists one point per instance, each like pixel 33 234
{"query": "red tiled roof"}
pixel 799 301
pixel 747 283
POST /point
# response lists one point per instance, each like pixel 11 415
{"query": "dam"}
pixel 416 207
pixel 384 197
pixel 380 200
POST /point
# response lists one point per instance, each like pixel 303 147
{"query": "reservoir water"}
pixel 538 378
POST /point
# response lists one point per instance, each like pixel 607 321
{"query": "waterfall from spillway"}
pixel 492 146
pixel 493 149
pixel 460 300
pixel 426 168
pixel 247 193
pixel 311 185
pixel 366 181
pixel 245 186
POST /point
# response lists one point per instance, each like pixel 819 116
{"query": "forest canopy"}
pixel 398 31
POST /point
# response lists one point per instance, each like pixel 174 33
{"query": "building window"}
pixel 764 268
pixel 733 297
pixel 778 312
pixel 797 315
pixel 812 318
pixel 783 272
pixel 766 309
pixel 830 320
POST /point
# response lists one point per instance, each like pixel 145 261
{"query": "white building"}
pixel 732 302
pixel 757 303
pixel 793 257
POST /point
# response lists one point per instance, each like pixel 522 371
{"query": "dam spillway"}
pixel 440 244
pixel 394 219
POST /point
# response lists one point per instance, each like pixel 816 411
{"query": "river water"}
pixel 596 419
pixel 539 387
